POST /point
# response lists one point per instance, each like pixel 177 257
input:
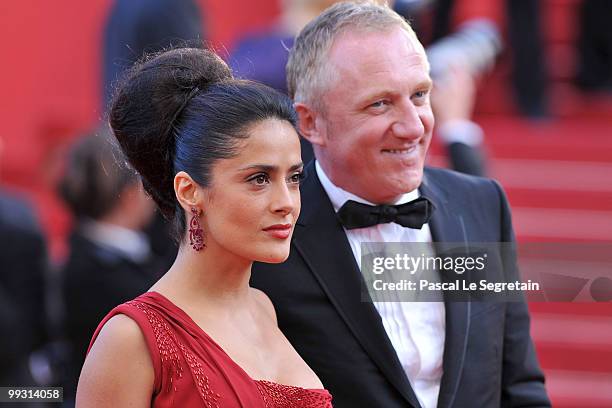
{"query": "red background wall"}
pixel 50 83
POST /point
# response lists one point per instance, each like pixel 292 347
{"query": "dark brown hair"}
pixel 95 175
pixel 181 110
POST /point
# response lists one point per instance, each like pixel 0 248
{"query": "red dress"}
pixel 191 370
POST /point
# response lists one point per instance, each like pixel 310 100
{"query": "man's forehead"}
pixel 354 35
pixel 360 51
pixel 364 44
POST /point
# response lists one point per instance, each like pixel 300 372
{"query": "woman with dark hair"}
pixel 221 158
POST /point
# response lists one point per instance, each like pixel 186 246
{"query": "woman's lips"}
pixel 280 231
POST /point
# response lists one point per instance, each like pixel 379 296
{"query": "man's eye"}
pixel 379 104
pixel 420 94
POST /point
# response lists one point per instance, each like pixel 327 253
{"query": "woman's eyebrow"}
pixel 270 168
pixel 264 167
pixel 296 166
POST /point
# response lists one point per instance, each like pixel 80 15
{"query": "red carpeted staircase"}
pixel 557 173
pixel 558 177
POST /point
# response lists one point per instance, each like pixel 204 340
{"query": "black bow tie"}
pixel 414 214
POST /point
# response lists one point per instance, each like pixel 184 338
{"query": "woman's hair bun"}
pixel 146 108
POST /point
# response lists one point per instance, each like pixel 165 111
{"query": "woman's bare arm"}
pixel 118 371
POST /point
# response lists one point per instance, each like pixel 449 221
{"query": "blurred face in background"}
pixel 376 122
pixel 252 205
pixel 136 202
pixel 298 13
pixel 97 185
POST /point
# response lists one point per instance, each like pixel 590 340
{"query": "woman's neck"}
pixel 211 276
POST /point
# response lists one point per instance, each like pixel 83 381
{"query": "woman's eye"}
pixel 296 178
pixel 260 179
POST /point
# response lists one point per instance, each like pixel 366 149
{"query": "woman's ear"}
pixel 310 124
pixel 188 192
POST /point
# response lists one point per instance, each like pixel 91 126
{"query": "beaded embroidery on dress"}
pixel 191 370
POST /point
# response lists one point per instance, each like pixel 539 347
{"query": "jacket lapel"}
pixel 446 226
pixel 321 241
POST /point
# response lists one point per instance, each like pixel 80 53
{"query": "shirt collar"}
pixel 339 196
pixel 132 244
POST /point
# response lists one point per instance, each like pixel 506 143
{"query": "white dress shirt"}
pixel 134 245
pixel 416 329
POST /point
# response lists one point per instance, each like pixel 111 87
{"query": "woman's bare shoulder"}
pixel 264 303
pixel 118 370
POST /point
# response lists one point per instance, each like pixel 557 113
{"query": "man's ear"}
pixel 188 192
pixel 310 124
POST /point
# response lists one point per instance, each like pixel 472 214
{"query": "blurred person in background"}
pixel 594 46
pixel 134 27
pixel 452 100
pixel 110 258
pixel 23 269
pixel 262 56
pixel 530 76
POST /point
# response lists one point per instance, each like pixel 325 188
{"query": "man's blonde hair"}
pixel 307 71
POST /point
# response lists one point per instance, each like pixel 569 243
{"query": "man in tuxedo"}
pixel 360 81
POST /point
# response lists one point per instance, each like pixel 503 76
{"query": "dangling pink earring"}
pixel 196 234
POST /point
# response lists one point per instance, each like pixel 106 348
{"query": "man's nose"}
pixel 408 124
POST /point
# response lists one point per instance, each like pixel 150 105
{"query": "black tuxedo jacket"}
pixel 95 279
pixel 489 359
pixel 23 268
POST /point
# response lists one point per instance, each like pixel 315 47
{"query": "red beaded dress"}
pixel 191 370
